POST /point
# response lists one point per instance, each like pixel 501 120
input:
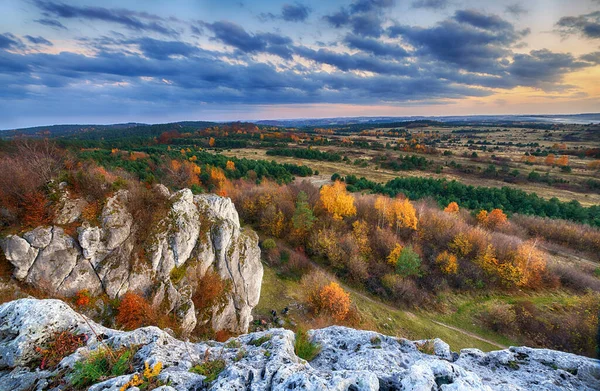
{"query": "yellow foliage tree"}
pixel 395 254
pixel 531 262
pixel 452 208
pixel 360 232
pixel 461 245
pixel 211 142
pixel 337 200
pixel 447 262
pixel 383 206
pixel 405 214
pixel 482 217
pixel 335 301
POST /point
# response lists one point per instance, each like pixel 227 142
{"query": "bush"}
pixel 134 312
pixel 209 368
pixel 268 244
pixel 101 364
pixel 304 347
pixel 82 298
pixel 209 290
pixel 334 301
pixel 60 345
pixel 409 263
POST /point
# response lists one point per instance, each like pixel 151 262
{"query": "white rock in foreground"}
pixel 350 360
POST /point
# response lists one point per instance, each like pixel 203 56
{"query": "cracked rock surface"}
pixel 198 233
pixel 350 360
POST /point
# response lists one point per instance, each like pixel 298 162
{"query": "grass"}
pixel 259 341
pixel 304 347
pixel 102 364
pixel 211 369
pixel 277 292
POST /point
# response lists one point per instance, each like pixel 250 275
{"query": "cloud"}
pixel 431 4
pixel 374 46
pixel 364 17
pixel 516 10
pixel 592 57
pixel 10 41
pixel 236 36
pixel 295 12
pixel 587 25
pixel 39 40
pixel 139 21
pixel 473 41
pixel 162 50
pixel 51 23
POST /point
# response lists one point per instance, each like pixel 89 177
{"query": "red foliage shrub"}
pixel 209 290
pixel 134 311
pixel 60 345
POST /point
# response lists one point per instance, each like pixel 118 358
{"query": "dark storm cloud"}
pixel 471 40
pixel 540 68
pixel 236 36
pixel 295 12
pixel 140 21
pixel 9 41
pixel 431 4
pixel 592 57
pixel 374 46
pixel 51 23
pixel 38 40
pixel 364 17
pixel 587 25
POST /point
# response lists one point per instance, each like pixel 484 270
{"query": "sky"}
pixel 151 61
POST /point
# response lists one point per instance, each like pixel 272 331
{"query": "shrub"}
pixel 311 285
pixel 60 345
pixel 82 298
pixel 134 312
pixel 409 263
pixel 211 369
pixel 447 262
pixel 268 244
pixel 101 364
pixel 304 347
pixel 499 317
pixel 209 290
pixel 335 301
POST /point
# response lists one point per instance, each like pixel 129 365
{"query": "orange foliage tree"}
pixel 134 311
pixel 35 210
pixel 335 301
pixel 496 218
pixel 452 208
pixel 447 262
pixel 337 200
pixel 550 159
pixel 211 142
pixel 563 161
pixel 230 166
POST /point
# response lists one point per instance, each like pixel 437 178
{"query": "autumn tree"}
pixel 230 166
pixel 211 142
pixel 408 263
pixel 392 258
pixel 530 261
pixel 447 262
pixel 360 233
pixel 405 214
pixel 452 208
pixel 550 159
pixel 563 161
pixel 337 200
pixel 492 220
pixel 461 245
pixel 383 206
pixel 334 301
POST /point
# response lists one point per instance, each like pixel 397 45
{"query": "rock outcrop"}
pixel 198 233
pixel 349 359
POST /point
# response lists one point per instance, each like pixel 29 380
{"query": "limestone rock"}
pixel 20 254
pixel 349 359
pixel 69 211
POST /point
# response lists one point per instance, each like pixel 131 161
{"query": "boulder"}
pixel 69 211
pixel 20 253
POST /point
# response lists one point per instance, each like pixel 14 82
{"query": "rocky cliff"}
pixel 349 359
pixel 199 232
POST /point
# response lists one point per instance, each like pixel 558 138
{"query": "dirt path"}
pixel 408 313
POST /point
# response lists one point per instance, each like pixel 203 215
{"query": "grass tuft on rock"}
pixel 304 347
